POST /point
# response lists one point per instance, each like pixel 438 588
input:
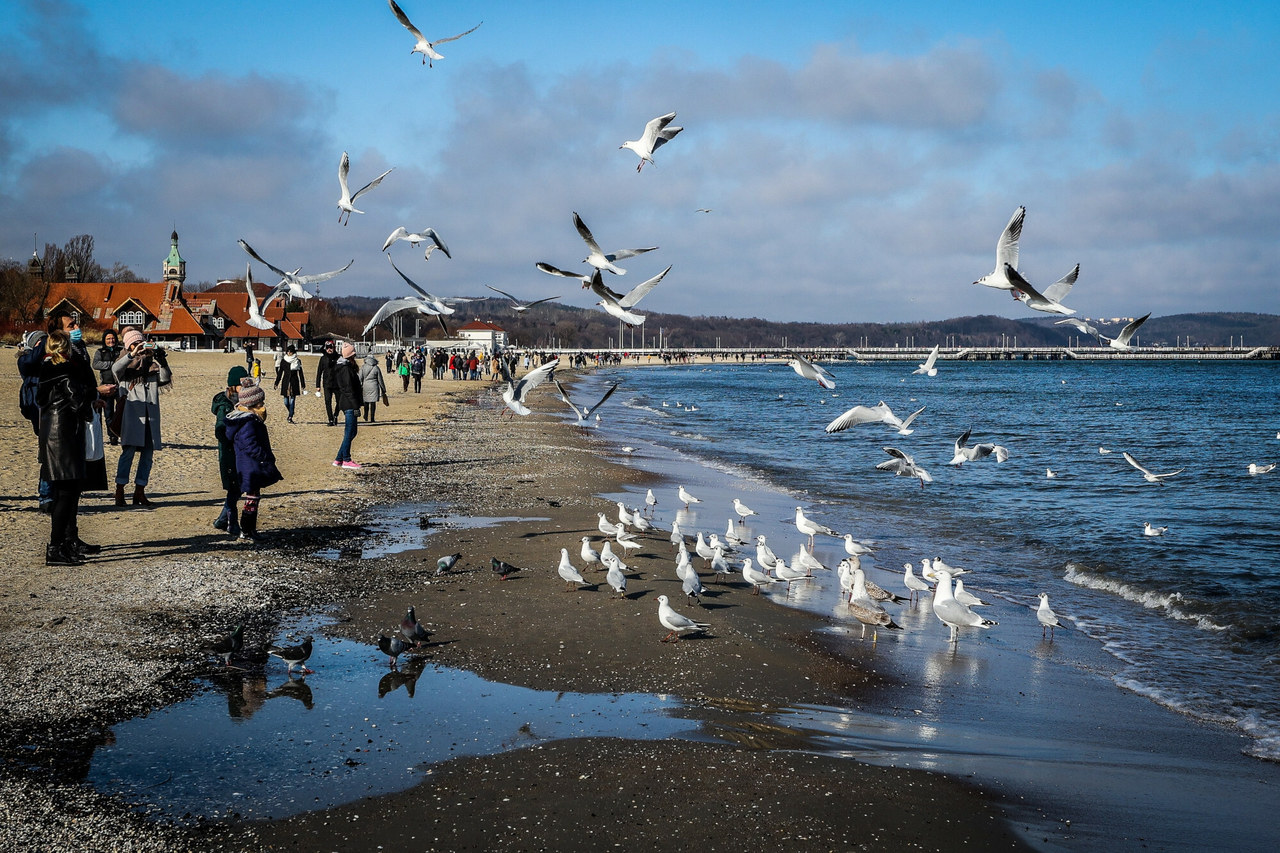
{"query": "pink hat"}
pixel 348 351
pixel 131 336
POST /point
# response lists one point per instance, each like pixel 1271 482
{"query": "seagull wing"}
pixel 600 402
pixel 243 245
pixel 597 285
pixel 858 415
pixel 529 305
pixel 395 235
pixel 324 276
pixel 931 360
pixel 585 233
pixel 622 254
pixel 411 282
pixel 404 20
pixel 564 395
pixel 962 440
pixel 1059 289
pixel 640 290
pixel 1126 334
pixel 364 189
pixel 906 422
pixel 665 136
pixel 1007 246
pixel 395 306
pixel 550 270
pixel 1136 464
pixel 431 235
pixel 1020 283
pixel 534 378
pixel 458 36
pixel 504 293
pixel 344 166
pixel 653 127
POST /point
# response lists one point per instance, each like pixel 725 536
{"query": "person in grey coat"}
pixel 373 387
pixel 142 371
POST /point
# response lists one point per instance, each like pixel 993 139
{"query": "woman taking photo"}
pixel 142 370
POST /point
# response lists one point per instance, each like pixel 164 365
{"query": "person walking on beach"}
pixel 65 396
pixel 290 379
pixel 403 369
pixel 348 394
pixel 418 367
pixel 224 402
pixel 102 362
pixel 246 427
pixel 372 387
pixel 142 370
pixel 324 380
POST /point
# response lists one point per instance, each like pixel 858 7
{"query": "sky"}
pixel 859 161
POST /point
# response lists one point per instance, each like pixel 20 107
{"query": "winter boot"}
pixel 119 494
pixel 223 518
pixel 249 526
pixel 233 524
pixel 60 555
pixel 139 498
pixel 78 546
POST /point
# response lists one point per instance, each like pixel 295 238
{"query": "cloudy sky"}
pixel 860 161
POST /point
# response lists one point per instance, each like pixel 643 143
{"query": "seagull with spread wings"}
pixel 413 238
pixel 346 201
pixel 422 46
pixel 657 133
pixel 585 412
pixel 1006 253
pixel 256 318
pixel 296 284
pixel 808 370
pixel 517 390
pixel 598 258
pixel 1121 341
pixel 1147 475
pixel 1047 301
pixel 519 307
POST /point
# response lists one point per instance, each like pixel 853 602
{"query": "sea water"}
pixel 1189 618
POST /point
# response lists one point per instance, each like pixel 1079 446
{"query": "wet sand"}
pixel 83 648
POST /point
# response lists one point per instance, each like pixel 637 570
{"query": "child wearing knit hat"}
pixel 224 403
pixel 246 428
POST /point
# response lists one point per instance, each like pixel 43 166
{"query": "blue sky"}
pixel 860 161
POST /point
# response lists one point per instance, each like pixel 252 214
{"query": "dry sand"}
pixel 83 648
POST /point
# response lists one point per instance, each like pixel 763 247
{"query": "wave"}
pixel 1168 602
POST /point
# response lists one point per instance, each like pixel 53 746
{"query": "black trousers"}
pixel 66 504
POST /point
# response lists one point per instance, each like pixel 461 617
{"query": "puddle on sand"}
pixel 259 744
pixel 396 528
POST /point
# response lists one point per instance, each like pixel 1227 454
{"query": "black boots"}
pixel 61 555
pixel 249 527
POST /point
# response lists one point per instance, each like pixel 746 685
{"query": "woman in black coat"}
pixel 65 397
pixel 106 356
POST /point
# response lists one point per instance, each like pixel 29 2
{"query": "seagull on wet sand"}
pixel 967 598
pixel 811 528
pixel 657 133
pixel 1006 253
pixel 964 453
pixel 913 584
pixel 687 498
pixel 854 548
pixel 617 579
pixel 864 608
pixel 346 202
pixel 566 570
pixel 742 510
pixel 676 623
pixel 952 613
pixel 427 235
pixel 589 555
pixel 1047 618
pixel 650 500
pixel 598 258
pixel 764 554
pixel 294 655
pixel 1148 475
pixel 808 370
pixel 755 577
pixel 422 46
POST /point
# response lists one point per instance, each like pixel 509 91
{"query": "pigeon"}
pixel 1047 618
pixel 412 629
pixel 422 46
pixel 445 564
pixel 427 235
pixel 392 647
pixel 568 572
pixel 657 133
pixel 346 202
pixel 599 259
pixel 964 453
pixel 294 655
pixel 1006 253
pixel 1147 475
pixel 502 569
pixel 676 623
pixel 226 645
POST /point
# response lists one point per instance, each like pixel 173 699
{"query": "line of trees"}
pixel 22 296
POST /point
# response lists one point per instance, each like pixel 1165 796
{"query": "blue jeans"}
pixel 289 403
pixel 348 434
pixel 144 463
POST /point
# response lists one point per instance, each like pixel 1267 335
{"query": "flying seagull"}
pixel 904 466
pixel 1037 301
pixel 586 411
pixel 877 414
pixel 656 134
pixel 296 284
pixel 808 370
pixel 517 391
pixel 1147 475
pixel 405 303
pixel 346 202
pixel 1006 253
pixel 1079 324
pixel 256 318
pixel 439 304
pixel 1121 341
pixel 518 307
pixel 427 235
pixel 599 259
pixel 928 368
pixel 424 47
pixel 964 453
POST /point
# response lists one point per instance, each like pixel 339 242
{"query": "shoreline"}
pixel 123 632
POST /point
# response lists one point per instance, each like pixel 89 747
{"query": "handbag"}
pixel 385 400
pixel 93 450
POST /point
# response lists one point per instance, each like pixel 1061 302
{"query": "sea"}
pixel 1189 619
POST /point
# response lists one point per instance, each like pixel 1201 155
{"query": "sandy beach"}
pixel 85 648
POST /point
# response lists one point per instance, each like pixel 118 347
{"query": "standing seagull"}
pixel 424 47
pixel 1006 253
pixel 656 134
pixel 428 236
pixel 687 498
pixel 568 572
pixel 952 613
pixel 913 584
pixel 1047 618
pixel 809 370
pixel 1121 341
pixel 346 202
pixel 598 258
pixel 676 623
pixel 755 577
pixel 518 306
pixel 928 368
pixel 517 391
pixel 743 511
pixel 1147 475
pixel 650 500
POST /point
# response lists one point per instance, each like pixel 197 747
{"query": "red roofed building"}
pixel 483 333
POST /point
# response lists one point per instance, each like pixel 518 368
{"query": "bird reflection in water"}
pixel 406 677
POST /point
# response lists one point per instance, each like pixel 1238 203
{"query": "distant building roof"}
pixel 480 326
